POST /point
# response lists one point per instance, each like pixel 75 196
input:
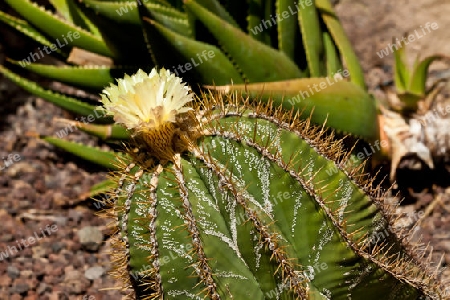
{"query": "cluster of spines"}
pixel 118 253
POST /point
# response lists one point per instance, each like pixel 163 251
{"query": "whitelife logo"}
pixel 11 159
pixel 48 50
pixel 188 66
pixel 24 243
pixel 131 5
pixel 411 38
pixel 85 119
pixel 330 80
pixel 273 20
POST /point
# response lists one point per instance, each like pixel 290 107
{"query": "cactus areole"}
pixel 230 199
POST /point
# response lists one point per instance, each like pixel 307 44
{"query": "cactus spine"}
pixel 231 200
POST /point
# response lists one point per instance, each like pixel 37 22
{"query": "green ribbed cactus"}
pixel 229 199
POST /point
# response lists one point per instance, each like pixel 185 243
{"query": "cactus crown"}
pixel 153 107
pixel 206 219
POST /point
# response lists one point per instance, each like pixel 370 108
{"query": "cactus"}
pixel 227 198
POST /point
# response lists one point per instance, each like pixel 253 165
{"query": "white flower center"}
pixel 145 101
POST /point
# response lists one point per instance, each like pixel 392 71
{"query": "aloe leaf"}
pixel 140 2
pixel 416 84
pixel 343 105
pixel 343 43
pixel 68 103
pixel 103 187
pixel 211 65
pixel 58 29
pixel 72 13
pixel 258 62
pixel 257 25
pixel 120 37
pixel 160 51
pixel 216 8
pixel 287 27
pixel 106 159
pixel 94 77
pixel 127 12
pixel 105 132
pixel 269 14
pixel 178 24
pixel 28 30
pixel 166 3
pixel 312 38
pixel 99 189
pixel 332 60
pixel 62 6
pixel 238 11
pixel 401 71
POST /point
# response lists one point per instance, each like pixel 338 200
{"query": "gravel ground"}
pixel 52 246
pixel 45 217
pixel 64 251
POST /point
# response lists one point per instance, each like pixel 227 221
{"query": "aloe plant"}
pixel 219 42
pixel 225 198
pixel 412 122
pixel 410 83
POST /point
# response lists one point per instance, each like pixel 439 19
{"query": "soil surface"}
pixel 55 247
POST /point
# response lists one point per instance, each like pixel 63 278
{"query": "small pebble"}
pixel 19 287
pixel 13 272
pixel 94 272
pixel 74 282
pixel 91 238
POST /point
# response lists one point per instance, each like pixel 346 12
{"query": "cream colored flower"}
pixel 146 101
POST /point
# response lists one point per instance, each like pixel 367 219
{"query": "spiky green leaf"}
pixel 94 77
pixel 258 62
pixel 64 33
pixel 208 62
pixel 68 103
pixel 106 159
pixel 343 105
pixel 342 42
